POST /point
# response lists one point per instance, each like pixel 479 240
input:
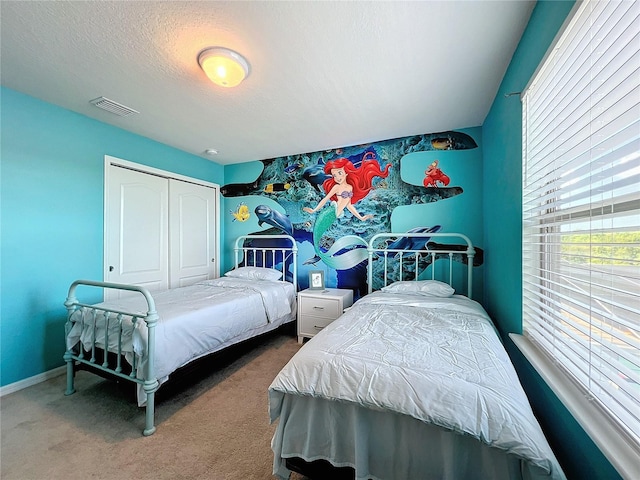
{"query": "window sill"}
pixel 619 449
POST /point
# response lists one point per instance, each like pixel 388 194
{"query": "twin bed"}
pixel 412 382
pixel 150 336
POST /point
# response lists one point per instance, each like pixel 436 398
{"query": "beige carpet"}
pixel 212 423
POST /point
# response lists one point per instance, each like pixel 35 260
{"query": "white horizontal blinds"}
pixel 581 206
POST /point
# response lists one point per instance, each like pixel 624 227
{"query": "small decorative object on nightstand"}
pixel 318 308
pixel 316 280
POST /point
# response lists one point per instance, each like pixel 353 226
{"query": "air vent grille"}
pixel 113 107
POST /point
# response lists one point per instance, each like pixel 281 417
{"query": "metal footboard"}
pixel 149 383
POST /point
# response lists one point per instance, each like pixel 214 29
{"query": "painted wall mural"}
pixel 332 202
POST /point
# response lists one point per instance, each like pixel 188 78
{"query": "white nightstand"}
pixel 318 308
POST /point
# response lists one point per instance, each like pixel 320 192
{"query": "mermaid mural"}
pixel 315 196
pixel 346 186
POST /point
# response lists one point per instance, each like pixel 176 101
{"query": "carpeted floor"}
pixel 212 423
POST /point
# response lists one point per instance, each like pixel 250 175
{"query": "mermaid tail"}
pixel 344 261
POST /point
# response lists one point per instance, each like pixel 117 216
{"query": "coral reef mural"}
pixel 332 202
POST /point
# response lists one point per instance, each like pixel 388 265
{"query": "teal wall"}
pixel 51 213
pixel 502 139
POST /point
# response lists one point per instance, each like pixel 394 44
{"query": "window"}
pixel 581 207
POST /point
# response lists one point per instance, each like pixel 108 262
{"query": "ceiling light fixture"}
pixel 211 151
pixel 224 67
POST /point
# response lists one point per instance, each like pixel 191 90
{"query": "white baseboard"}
pixel 27 382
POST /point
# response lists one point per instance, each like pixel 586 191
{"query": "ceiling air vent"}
pixel 113 107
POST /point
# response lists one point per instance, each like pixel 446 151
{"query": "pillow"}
pixel 255 273
pixel 431 288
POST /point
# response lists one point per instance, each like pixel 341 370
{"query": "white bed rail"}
pixel 261 255
pixel 419 250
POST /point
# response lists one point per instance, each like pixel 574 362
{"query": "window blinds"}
pixel 581 206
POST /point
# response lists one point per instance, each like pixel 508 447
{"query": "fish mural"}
pixel 241 213
pixel 277 187
pixel 452 141
pixel 292 168
pixel 335 200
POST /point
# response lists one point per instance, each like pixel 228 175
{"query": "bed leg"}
pixel 150 389
pixel 70 374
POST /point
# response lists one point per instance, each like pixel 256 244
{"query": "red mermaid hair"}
pixel 360 178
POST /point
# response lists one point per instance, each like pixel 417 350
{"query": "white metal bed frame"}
pixel 150 383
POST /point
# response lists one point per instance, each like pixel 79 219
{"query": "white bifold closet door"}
pixel 160 232
pixel 191 233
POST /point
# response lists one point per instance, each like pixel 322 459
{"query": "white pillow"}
pixel 255 273
pixel 432 288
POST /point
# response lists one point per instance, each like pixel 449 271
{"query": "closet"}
pixel 160 228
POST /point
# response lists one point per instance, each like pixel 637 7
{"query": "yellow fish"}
pixel 442 143
pixel 241 214
pixel 277 187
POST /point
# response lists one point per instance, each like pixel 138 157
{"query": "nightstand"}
pixel 318 308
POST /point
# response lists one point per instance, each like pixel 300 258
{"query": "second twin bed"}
pixel 412 382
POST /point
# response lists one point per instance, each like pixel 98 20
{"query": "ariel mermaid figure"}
pixel 348 184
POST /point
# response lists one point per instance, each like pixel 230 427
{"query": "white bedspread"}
pixel 442 364
pixel 193 321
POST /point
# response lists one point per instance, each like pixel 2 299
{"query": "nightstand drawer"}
pixel 313 324
pixel 321 307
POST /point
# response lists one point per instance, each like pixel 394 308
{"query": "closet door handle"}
pixel 111 268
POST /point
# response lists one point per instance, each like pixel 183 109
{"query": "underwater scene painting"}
pixel 332 202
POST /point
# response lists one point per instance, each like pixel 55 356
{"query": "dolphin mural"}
pixel 274 218
pixel 412 243
pixel 315 175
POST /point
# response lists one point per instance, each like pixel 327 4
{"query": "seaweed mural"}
pixel 337 199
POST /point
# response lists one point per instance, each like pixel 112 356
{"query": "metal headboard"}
pixel 382 245
pixel 268 256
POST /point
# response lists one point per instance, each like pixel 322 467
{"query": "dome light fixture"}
pixel 223 66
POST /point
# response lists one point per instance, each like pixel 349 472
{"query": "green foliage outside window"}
pixel 620 248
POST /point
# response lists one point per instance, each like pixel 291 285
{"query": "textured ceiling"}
pixel 323 74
